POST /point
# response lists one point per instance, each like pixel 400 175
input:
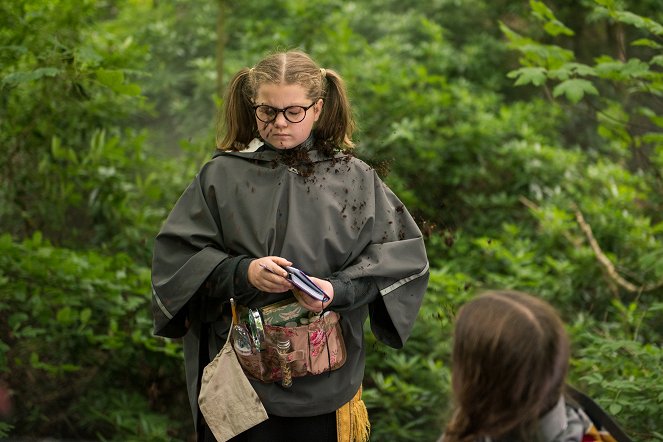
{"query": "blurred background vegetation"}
pixel 525 137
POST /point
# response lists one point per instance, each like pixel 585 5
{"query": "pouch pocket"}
pixel 326 345
pixel 314 349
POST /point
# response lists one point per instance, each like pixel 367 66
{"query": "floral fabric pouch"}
pixel 305 347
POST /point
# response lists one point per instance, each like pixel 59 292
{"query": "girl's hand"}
pixel 313 304
pixel 267 275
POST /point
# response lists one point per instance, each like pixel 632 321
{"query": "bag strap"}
pixel 598 415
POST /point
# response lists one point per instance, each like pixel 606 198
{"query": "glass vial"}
pixel 283 347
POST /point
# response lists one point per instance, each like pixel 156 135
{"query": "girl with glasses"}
pixel 283 189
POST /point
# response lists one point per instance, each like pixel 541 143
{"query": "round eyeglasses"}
pixel 293 114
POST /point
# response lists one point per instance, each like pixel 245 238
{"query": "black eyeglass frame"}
pixel 282 111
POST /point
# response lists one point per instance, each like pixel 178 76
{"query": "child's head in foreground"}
pixel 509 365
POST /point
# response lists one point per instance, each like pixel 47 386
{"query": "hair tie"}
pixel 251 71
pixel 323 72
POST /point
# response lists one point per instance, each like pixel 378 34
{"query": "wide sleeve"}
pixel 186 250
pixel 395 259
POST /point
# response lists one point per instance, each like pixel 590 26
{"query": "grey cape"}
pixel 332 217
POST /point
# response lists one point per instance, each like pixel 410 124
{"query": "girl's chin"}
pixel 282 143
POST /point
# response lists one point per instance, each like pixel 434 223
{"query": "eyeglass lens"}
pixel 293 114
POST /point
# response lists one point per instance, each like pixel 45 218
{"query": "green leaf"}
pixel 639 22
pixel 86 55
pixel 575 89
pixel 534 75
pixel 615 409
pixel 551 25
pixel 131 89
pixel 511 35
pixel 635 68
pixel 607 3
pixel 110 78
pixel 647 43
pixel 64 315
pixel 581 69
pixel 571 69
pixel 17 78
pixel 37 238
pixel 85 316
pixel 16 319
pixel 556 27
pixel 61 153
pixel 114 79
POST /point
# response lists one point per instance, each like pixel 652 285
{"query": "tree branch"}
pixel 534 208
pixel 606 263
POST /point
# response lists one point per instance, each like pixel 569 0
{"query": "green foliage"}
pixel 107 111
pixel 127 415
pixel 551 24
pixel 179 72
pixel 406 391
pixel 627 88
pixel 77 330
pixel 64 85
pixel 621 371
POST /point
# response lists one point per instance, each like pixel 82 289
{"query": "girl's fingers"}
pixel 267 275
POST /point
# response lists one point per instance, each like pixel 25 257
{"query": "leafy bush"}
pixel 76 349
pixel 614 365
pixel 97 98
pixel 407 390
pixel 64 83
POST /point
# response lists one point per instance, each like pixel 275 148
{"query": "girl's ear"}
pixel 318 109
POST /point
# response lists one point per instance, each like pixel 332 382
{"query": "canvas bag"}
pixel 227 400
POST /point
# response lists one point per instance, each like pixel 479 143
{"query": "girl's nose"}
pixel 280 120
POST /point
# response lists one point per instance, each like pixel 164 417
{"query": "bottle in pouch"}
pixel 241 340
pixel 283 347
pixel 257 329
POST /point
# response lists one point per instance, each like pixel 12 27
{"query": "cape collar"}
pixel 257 143
pixel 254 145
pixel 261 151
pixel 555 422
pixel 561 424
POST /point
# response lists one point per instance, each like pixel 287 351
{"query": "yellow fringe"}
pixel 352 424
pixel 599 436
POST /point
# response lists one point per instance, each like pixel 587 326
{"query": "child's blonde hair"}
pixel 238 124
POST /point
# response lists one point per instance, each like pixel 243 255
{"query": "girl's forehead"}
pixel 282 94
